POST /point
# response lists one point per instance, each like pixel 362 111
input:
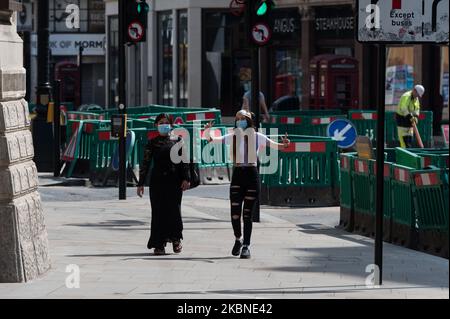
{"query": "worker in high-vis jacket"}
pixel 408 113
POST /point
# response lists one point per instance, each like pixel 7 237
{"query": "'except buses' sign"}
pixel 403 21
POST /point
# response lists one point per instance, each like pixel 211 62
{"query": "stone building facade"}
pixel 23 237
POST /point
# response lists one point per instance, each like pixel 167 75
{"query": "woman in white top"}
pixel 244 189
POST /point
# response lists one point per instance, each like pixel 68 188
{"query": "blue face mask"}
pixel 164 129
pixel 241 124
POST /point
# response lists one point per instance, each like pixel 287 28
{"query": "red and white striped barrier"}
pixel 345 163
pixel 386 172
pixel 361 166
pixel 401 175
pixel 364 116
pixel 200 116
pixel 290 120
pixel 426 179
pixel 322 120
pixel 306 147
pixel 426 161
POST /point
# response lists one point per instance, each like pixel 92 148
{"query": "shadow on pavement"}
pixel 289 290
pixel 151 256
pixel 400 264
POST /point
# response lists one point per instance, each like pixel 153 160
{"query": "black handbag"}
pixel 194 173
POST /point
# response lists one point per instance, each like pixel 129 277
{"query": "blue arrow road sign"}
pixel 343 132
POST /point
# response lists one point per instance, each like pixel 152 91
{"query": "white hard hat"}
pixel 420 90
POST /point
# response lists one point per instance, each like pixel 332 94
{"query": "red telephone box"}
pixel 334 82
pixel 69 74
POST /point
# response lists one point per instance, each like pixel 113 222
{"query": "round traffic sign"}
pixel 135 31
pixel 343 132
pixel 261 33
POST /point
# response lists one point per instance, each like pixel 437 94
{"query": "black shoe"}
pixel 236 248
pixel 245 253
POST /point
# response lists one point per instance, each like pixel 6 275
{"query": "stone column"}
pixel 23 236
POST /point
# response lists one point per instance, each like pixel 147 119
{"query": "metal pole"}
pixel 57 129
pixel 43 90
pixel 380 161
pixel 255 108
pixel 122 100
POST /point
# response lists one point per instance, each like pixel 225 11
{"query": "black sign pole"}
pixel 380 161
pixel 122 101
pixel 57 129
pixel 255 108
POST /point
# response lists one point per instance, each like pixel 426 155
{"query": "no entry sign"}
pixel 261 33
pixel 135 31
pixel 403 21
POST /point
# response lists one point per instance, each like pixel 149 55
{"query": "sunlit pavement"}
pixel 296 253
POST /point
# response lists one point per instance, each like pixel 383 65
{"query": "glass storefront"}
pixel 444 76
pixel 288 73
pixel 399 73
pixel 226 63
pixel 113 61
pixel 183 59
pixel 165 58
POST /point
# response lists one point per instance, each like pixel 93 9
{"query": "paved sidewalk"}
pixel 107 240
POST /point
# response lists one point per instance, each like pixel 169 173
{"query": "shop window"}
pixel 92 16
pixel 226 64
pixel 444 77
pixel 399 73
pixel 165 58
pixel 288 73
pixel 183 58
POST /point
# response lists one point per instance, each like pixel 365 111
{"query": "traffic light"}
pixel 136 21
pixel 261 21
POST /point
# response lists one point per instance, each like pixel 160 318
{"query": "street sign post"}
pixel 343 132
pixel 403 21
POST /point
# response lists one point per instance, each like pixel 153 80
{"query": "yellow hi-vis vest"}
pixel 408 105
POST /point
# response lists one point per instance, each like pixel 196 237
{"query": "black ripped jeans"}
pixel 244 189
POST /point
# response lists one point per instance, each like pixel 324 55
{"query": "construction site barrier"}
pixel 415 204
pixel 306 175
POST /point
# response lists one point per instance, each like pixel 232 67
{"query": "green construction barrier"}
pixel 346 220
pixel 431 211
pixel 422 158
pixel 306 174
pixel 310 125
pixel 364 196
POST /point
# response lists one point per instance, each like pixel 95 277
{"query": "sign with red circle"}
pixel 135 31
pixel 261 33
